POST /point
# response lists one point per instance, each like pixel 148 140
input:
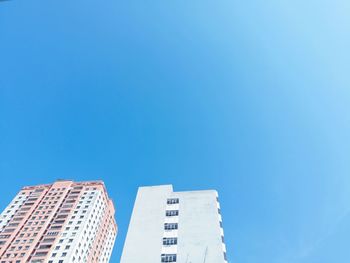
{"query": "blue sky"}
pixel 247 97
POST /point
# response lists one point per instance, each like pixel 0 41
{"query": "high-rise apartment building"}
pixel 64 222
pixel 167 226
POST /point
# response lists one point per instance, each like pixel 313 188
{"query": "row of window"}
pixel 35 220
pixel 60 222
pixel 170 241
pixel 93 223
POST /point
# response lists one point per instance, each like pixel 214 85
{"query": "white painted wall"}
pixel 144 238
pixel 199 228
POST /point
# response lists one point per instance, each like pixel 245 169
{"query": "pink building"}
pixel 64 222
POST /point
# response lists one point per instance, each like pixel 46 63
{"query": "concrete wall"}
pixel 144 238
pixel 199 228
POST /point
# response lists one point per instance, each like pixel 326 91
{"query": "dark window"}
pixel 172 213
pixel 168 257
pixel 168 241
pixel 171 201
pixel 170 226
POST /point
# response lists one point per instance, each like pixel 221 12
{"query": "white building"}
pixel 167 226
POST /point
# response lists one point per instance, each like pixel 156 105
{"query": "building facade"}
pixel 64 222
pixel 167 226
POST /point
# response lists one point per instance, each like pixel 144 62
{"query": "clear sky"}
pixel 251 98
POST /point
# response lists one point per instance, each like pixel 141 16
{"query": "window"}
pixel 170 226
pixel 172 213
pixel 45 246
pixel 168 257
pixel 171 201
pixel 168 241
pixel 49 240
